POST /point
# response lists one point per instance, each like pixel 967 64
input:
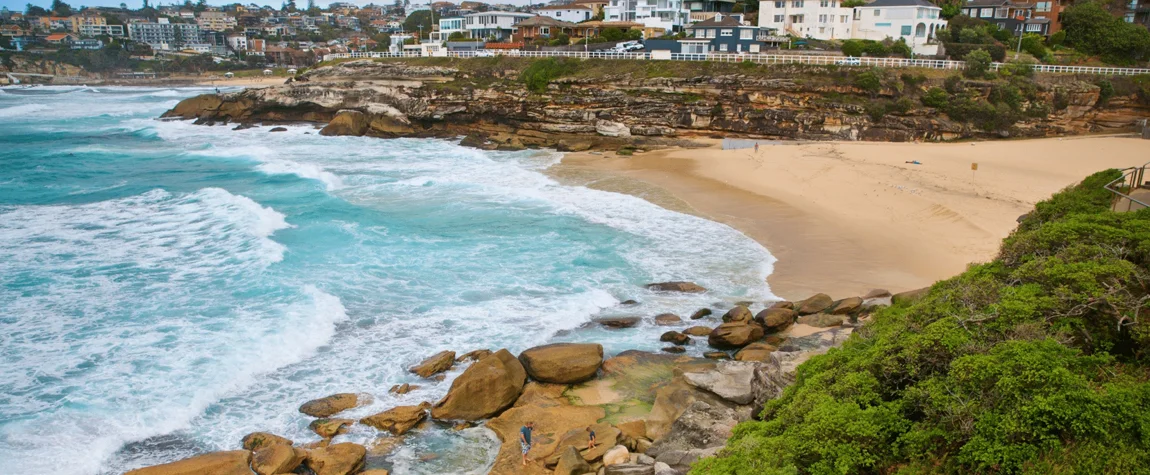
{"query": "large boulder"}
pixel 436 364
pixel 235 462
pixel 616 455
pixel 822 320
pixel 688 287
pixel 337 459
pixel 617 322
pixel 485 389
pixel 757 351
pixel 562 363
pixel 734 335
pixel 698 330
pixel 776 319
pixel 571 463
pixel 847 306
pixel 398 420
pixel 328 428
pixel 667 319
pixel 675 337
pixel 700 431
pixel 332 405
pixel 700 313
pixel 817 303
pixel 739 314
pixel 877 294
pixel 558 425
pixel 346 122
pixel 276 459
pixel 909 296
pixel 259 440
pixel 730 380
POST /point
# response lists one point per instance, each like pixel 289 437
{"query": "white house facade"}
pixel 915 21
pixel 572 13
pixel 665 14
pixel 819 19
pixel 497 25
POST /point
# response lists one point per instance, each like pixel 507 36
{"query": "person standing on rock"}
pixel 590 438
pixel 525 439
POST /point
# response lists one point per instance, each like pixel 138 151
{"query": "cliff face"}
pixel 494 109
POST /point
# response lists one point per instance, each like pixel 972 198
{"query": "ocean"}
pixel 167 288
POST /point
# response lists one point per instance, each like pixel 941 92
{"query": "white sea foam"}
pixel 20 110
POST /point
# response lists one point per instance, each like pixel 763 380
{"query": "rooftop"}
pixel 899 3
pixel 545 21
pixel 570 6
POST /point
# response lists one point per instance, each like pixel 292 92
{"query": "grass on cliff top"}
pixel 1036 362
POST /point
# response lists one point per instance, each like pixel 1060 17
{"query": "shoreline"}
pixel 847 217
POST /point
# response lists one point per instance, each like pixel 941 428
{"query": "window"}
pixel 822 18
pixel 778 18
pixel 1129 18
pixel 876 12
pixel 796 18
pixel 920 13
pixel 746 34
pixel 986 13
pixel 824 3
pixel 545 31
pixel 1001 13
pixel 558 13
pixel 843 18
pixel 797 4
pixel 905 30
pixel 882 25
pixel 1034 27
pixel 726 32
pixel 723 47
pixel 781 4
pixel 1042 6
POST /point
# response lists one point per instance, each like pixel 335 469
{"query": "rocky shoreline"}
pixel 493 109
pixel 653 413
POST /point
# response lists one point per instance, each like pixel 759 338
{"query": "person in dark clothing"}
pixel 525 439
pixel 590 438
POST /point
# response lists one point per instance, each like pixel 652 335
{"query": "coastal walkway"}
pixel 1131 191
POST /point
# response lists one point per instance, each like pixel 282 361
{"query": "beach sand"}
pixel 845 217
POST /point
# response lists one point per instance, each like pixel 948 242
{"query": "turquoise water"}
pixel 167 288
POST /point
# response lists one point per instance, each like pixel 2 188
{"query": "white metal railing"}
pixel 756 58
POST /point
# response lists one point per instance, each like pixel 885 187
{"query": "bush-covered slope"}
pixel 1036 362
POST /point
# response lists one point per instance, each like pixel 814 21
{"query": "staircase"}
pixel 1131 191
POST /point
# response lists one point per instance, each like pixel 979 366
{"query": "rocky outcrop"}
pixel 699 432
pixel 338 459
pixel 486 388
pixel 332 405
pixel 277 459
pixel 235 462
pixel 775 319
pixel 259 440
pixel 435 364
pixel 563 363
pixel 815 304
pixel 571 463
pixel 688 287
pixel 734 335
pixel 730 380
pixel 398 420
pixel 739 314
pixel 821 320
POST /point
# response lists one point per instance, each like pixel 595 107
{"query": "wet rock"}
pixel 235 462
pixel 822 320
pixel 277 459
pixel 716 355
pixel 563 363
pixel 616 455
pixel 436 364
pixel 775 319
pixel 331 405
pixel 328 428
pixel 817 303
pixel 909 296
pixel 259 440
pixel 688 287
pixel 629 469
pixel 674 349
pixel 474 355
pixel 403 388
pixel 398 420
pixel 700 313
pixel 664 469
pixel 571 463
pixel 617 322
pixel 700 431
pixel 877 294
pixel 675 337
pixel 667 319
pixel 730 380
pixel 629 302
pixel 346 122
pixel 847 306
pixel 278 129
pixel 337 459
pixel 783 304
pixel 485 389
pixel 757 351
pixel 698 331
pixel 734 335
pixel 739 314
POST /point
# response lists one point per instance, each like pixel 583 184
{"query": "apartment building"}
pixel 1016 17
pixel 573 13
pixel 80 21
pixel 497 25
pixel 164 35
pixel 915 21
pixel 819 19
pixel 215 21
pixel 102 30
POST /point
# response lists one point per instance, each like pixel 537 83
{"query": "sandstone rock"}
pixel 436 364
pixel 346 122
pixel 822 320
pixel 643 459
pixel 383 446
pixel 328 428
pixel 817 303
pixel 688 287
pixel 701 430
pixel 276 459
pixel 675 337
pixel 612 129
pixel 739 314
pixel 734 335
pixel 909 296
pixel 606 435
pixel 485 389
pixel 337 459
pixel 642 445
pixel 563 363
pixel 717 355
pixel 398 420
pixel 667 319
pixel 616 455
pixel 331 405
pixel 774 340
pixel 776 319
pixel 700 313
pixel 674 349
pixel 757 351
pixel 474 355
pixel 374 471
pixel 617 322
pixel 877 294
pixel 847 306
pixel 403 388
pixel 571 463
pixel 391 123
pixel 664 469
pixel 783 304
pixel 635 429
pixel 259 440
pixel 730 380
pixel 698 331
pixel 194 106
pixel 629 469
pixel 235 462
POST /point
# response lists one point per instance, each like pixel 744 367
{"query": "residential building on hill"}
pixel 102 30
pixel 497 25
pixel 541 27
pixel 79 21
pixel 570 13
pixel 819 19
pixel 215 21
pixel 1015 17
pixel 722 34
pixel 915 21
pixel 164 35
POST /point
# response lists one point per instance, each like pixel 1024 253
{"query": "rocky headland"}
pixel 653 413
pixel 619 105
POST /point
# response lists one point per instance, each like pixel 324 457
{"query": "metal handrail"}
pixel 1132 178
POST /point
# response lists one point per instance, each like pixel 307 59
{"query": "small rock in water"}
pixel 278 129
pixel 403 388
pixel 437 363
pixel 328 428
pixel 717 355
pixel 330 405
pixel 700 313
pixel 744 303
pixel 618 322
pixel 629 302
pixel 698 331
pixel 675 337
pixel 674 349
pixel 474 355
pixel 667 319
pixel 428 457
pixel 688 287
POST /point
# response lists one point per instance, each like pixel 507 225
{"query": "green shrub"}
pixel 913 80
pixel 977 64
pixel 901 106
pixel 1031 363
pixel 852 48
pixel 900 49
pixel 1057 39
pixel 1025 70
pixel 868 81
pixel 1090 28
pixel 875 49
pixel 953 84
pixel 876 110
pixel 1032 43
pixel 935 97
pixel 1105 91
pixel 539 74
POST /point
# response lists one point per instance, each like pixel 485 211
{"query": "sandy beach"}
pixel 846 217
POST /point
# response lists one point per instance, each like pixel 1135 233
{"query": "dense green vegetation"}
pixel 1093 30
pixel 1036 362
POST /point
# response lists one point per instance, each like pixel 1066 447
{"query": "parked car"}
pixel 628 46
pixel 484 53
pixel 849 61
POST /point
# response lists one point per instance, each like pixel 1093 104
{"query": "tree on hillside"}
pixel 977 63
pixel 59 8
pixel 420 18
pixel 35 11
pixel 312 9
pixel 1092 30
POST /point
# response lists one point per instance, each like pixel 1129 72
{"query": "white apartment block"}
pixel 102 30
pixel 915 21
pixel 573 13
pixel 666 14
pixel 497 25
pixel 216 21
pixel 163 35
